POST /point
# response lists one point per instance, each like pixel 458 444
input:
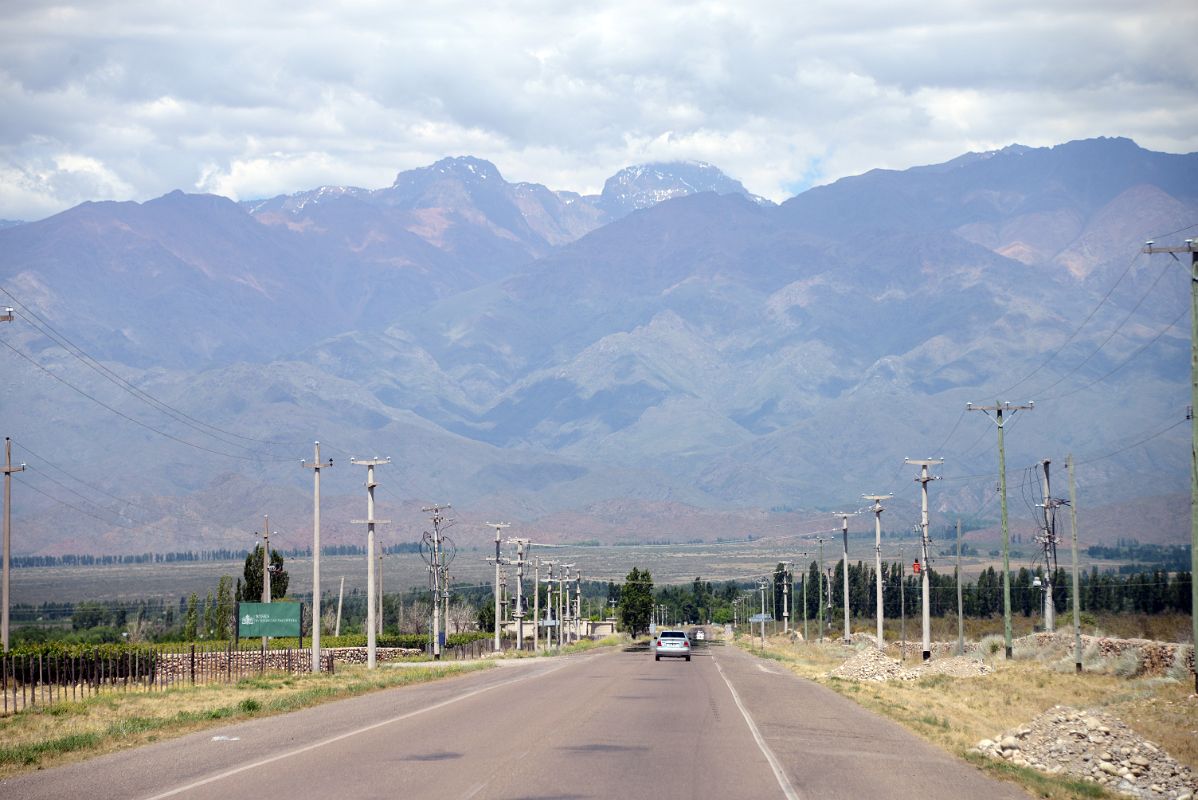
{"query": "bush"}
pixel 1180 669
pixel 992 645
pixel 1128 663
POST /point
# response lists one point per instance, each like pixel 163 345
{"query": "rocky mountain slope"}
pixel 535 353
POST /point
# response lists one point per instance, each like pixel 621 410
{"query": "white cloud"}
pixel 251 99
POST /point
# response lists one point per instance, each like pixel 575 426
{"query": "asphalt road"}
pixel 614 724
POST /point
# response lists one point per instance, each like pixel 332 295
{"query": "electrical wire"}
pixel 94 488
pixel 202 427
pixel 29 485
pixel 137 422
pixel 1110 335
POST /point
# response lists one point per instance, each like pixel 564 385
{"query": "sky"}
pixel 130 100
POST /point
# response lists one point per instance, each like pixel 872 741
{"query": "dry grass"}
pixel 54 734
pixel 955 713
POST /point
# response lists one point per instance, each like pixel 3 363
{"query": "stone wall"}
pixel 210 665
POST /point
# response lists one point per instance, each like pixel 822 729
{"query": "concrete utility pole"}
pixel 1077 619
pixel 999 409
pixel 1192 249
pixel 960 598
pixel 520 562
pixel 370 522
pixel 439 572
pixel 265 559
pixel 1049 540
pixel 844 529
pixel 563 604
pixel 498 526
pixel 926 594
pixel 902 607
pixel 9 469
pixel 879 613
pixel 536 606
pixel 821 587
pixel 340 600
pixel 316 465
pixel 761 584
pixel 379 617
pixel 788 579
pixel 806 631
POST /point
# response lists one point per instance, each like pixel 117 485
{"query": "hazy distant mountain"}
pixel 8 223
pixel 646 185
pixel 539 354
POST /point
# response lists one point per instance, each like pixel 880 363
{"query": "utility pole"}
pixel 265 560
pixel 878 609
pixel 999 409
pixel 1077 620
pixel 761 584
pixel 498 526
pixel 9 469
pixel 1049 540
pixel 806 631
pixel 435 544
pixel 578 606
pixel 316 465
pixel 379 618
pixel 536 606
pixel 902 606
pixel 370 522
pixel 926 595
pixel 1193 251
pixel 520 562
pixel 788 578
pixel 844 528
pixel 340 599
pixel 960 598
pixel 821 587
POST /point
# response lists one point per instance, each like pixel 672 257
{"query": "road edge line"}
pixel 775 765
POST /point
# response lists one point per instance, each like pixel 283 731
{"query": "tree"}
pixel 251 590
pixel 224 607
pixel 192 620
pixel 636 601
pixel 486 617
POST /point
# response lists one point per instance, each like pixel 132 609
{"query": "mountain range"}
pixel 673 347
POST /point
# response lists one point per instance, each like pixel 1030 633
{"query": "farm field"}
pixel 668 564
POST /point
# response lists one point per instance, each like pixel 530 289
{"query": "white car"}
pixel 672 644
pixel 700 636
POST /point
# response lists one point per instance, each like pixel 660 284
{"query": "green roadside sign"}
pixel 269 619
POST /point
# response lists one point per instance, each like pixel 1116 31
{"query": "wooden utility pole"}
pixel 924 479
pixel 316 465
pixel 999 408
pixel 1190 248
pixel 9 469
pixel 370 522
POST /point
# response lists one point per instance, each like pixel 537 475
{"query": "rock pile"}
pixel 869 664
pixel 1096 747
pixel 872 665
pixel 957 666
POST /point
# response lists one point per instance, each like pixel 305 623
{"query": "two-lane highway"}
pixel 601 725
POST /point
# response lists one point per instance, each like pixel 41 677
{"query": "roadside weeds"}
pixel 62 732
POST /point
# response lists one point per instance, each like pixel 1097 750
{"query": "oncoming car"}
pixel 672 644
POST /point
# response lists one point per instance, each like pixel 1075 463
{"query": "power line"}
pixel 131 419
pixel 72 507
pixel 108 374
pixel 1125 361
pixel 1111 335
pixel 79 480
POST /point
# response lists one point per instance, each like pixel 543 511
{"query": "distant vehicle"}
pixel 700 636
pixel 672 644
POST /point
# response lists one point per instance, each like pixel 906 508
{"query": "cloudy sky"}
pixel 130 100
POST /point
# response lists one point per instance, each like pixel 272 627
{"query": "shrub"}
pixel 1128 663
pixel 992 645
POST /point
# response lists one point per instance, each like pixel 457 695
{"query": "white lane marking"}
pixel 779 774
pixel 766 671
pixel 473 791
pixel 226 738
pixel 333 739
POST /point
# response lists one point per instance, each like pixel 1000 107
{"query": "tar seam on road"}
pixel 332 740
pixel 779 774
